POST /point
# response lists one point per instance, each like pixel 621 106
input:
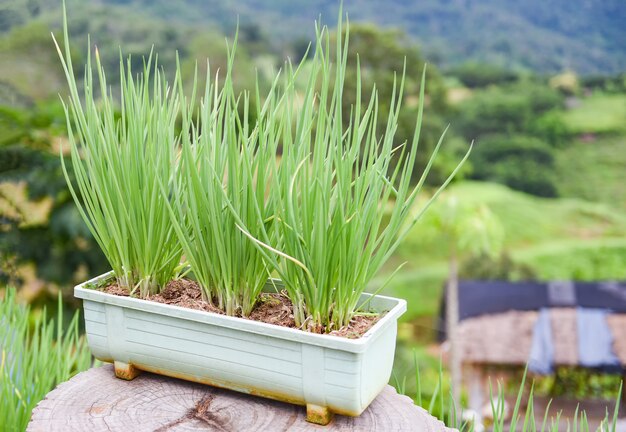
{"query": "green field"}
pixel 561 238
pixel 594 171
pixel 556 238
pixel 599 113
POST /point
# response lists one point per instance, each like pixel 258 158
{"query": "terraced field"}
pixel 557 238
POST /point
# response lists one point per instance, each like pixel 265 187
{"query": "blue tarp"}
pixel 488 297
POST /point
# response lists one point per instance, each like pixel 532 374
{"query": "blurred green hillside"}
pixel 537 35
pixel 545 239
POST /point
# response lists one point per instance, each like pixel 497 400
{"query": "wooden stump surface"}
pixel 95 400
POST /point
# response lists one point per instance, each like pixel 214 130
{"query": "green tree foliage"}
pixel 382 55
pixel 499 267
pixel 551 128
pixel 607 84
pixel 27 62
pixel 211 46
pixel 543 35
pixel 17 12
pixel 520 162
pixel 540 35
pixel 505 109
pixel 516 128
pixel 478 74
pixel 113 27
pixel 61 245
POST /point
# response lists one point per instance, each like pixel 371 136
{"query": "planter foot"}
pixel 125 371
pixel 318 414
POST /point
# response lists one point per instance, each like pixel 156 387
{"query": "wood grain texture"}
pixel 97 401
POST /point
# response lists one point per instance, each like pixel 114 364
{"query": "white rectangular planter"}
pixel 326 373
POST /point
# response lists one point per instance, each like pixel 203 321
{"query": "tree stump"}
pixel 97 401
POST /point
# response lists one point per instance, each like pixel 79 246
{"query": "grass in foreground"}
pixel 441 405
pixel 36 356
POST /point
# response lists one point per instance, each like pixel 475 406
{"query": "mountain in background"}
pixel 547 36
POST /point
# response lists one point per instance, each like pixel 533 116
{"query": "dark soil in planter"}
pixel 272 308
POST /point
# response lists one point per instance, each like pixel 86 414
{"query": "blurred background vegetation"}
pixel 539 86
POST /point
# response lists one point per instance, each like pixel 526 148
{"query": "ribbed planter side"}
pixel 320 371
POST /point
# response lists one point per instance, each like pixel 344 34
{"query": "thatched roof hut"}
pixel 505 338
pixel 497 326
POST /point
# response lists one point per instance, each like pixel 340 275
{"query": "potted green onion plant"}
pixel 280 220
pixel 119 164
